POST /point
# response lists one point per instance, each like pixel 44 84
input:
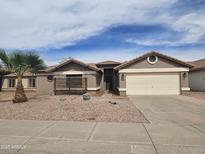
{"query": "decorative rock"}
pixel 86 97
pixel 114 103
pixel 62 99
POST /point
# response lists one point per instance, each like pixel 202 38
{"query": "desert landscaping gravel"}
pixel 73 108
pixel 7 96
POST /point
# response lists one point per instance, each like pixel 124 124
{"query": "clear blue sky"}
pixel 98 30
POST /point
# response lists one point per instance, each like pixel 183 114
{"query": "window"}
pixel 152 59
pixel 11 83
pixel 74 76
pixel 74 81
pixel 32 83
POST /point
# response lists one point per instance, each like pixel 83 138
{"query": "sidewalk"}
pixel 73 137
pixel 95 138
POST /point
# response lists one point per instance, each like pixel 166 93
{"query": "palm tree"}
pixel 19 62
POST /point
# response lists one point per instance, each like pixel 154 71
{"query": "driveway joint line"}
pixel 199 130
pixel 40 132
pixel 45 129
pixel 145 115
pixel 155 148
pixel 92 131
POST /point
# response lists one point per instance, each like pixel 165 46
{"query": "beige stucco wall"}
pixel 185 80
pixel 24 82
pixel 91 80
pixel 102 83
pixel 4 83
pixel 99 79
pixel 162 63
pixel 43 86
pixel 122 83
pixel 197 80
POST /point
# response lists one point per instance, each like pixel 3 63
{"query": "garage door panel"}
pixel 153 84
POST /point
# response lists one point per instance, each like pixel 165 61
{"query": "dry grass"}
pixel 73 108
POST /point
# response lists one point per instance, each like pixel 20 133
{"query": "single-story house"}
pixel 150 74
pixel 197 75
pixel 153 74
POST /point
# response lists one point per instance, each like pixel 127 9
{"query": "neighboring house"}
pixel 153 74
pixel 150 74
pixel 197 75
pixel 9 82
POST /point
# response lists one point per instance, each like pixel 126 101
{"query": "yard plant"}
pixel 19 62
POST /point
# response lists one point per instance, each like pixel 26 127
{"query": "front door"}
pixel 108 78
pixel 109 83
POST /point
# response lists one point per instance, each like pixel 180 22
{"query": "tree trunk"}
pixel 20 95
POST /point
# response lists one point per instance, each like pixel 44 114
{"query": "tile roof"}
pixel 3 72
pixel 127 63
pixel 198 65
pixel 25 74
pixel 93 65
pixel 53 68
pixel 108 62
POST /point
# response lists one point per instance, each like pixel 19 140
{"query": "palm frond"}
pixel 34 62
pixel 5 60
pixel 20 62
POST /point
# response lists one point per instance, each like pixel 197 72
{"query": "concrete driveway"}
pixel 177 123
pixel 171 109
pixel 177 127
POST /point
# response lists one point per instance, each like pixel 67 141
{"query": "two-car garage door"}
pixel 153 84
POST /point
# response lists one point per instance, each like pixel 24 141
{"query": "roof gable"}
pixel 138 59
pixel 91 67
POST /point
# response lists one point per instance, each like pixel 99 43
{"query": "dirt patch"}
pixel 195 94
pixel 9 95
pixel 73 108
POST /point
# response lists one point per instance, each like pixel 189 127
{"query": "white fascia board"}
pixel 122 89
pixel 155 70
pixel 77 72
pixel 68 73
pixel 185 89
pixel 97 88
